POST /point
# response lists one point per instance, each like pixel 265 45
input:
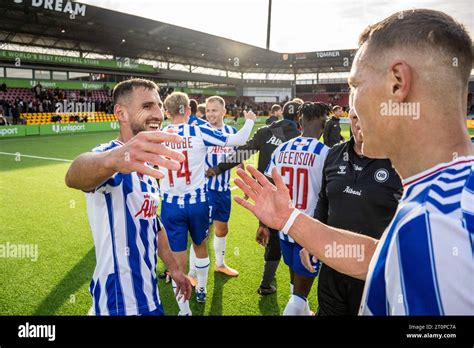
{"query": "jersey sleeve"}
pixel 212 137
pixel 272 163
pixel 115 179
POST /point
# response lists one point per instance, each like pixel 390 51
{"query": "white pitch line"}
pixel 61 160
pixel 38 157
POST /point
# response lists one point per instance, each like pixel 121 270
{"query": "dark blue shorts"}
pixel 291 257
pixel 157 312
pixel 219 203
pixel 179 219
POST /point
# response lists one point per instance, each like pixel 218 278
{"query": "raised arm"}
pixel 241 137
pixel 91 169
pixel 273 207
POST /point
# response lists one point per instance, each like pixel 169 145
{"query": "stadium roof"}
pixel 97 30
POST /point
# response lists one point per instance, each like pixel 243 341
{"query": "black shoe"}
pixel 266 291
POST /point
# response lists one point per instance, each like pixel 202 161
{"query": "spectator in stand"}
pixel 193 104
pixel 3 120
pixel 332 130
pixel 37 90
pixel 15 114
pixel 201 111
pixel 277 113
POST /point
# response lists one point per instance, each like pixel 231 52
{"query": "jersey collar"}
pixel 436 169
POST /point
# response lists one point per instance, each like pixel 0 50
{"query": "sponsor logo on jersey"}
pixel 381 175
pixel 342 170
pixel 148 208
pixel 357 168
pixel 351 191
pixel 274 141
pixel 219 150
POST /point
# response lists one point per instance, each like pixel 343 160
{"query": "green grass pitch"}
pixel 37 208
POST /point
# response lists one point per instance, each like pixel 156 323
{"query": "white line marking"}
pixel 38 157
pixel 234 188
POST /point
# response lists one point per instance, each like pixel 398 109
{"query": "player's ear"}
pixel 399 80
pixel 119 112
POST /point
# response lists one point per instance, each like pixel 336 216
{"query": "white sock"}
pixel 295 306
pixel 219 248
pixel 307 310
pixel 183 305
pixel 192 262
pixel 202 271
pixel 291 288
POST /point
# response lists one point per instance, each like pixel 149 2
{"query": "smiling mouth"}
pixel 153 125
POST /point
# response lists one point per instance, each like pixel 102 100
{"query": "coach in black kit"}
pixel 359 194
pixel 265 141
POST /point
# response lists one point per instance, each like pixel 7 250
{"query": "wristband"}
pixel 290 221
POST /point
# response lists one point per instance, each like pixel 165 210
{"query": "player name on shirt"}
pixel 187 143
pixel 296 158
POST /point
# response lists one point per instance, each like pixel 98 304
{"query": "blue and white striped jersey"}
pixel 123 220
pixel 215 155
pixel 300 162
pixel 424 265
pixel 196 121
pixel 188 184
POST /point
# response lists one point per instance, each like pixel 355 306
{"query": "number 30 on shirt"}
pixel 300 178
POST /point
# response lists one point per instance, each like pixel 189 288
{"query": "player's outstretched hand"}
pixel 263 235
pixel 146 147
pixel 250 115
pixel 306 257
pixel 272 203
pixel 183 286
pixel 210 172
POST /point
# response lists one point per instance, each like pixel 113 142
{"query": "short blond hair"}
pixel 176 103
pixel 202 108
pixel 216 98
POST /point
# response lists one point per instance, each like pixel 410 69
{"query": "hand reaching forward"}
pixel 272 204
pixel 146 147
